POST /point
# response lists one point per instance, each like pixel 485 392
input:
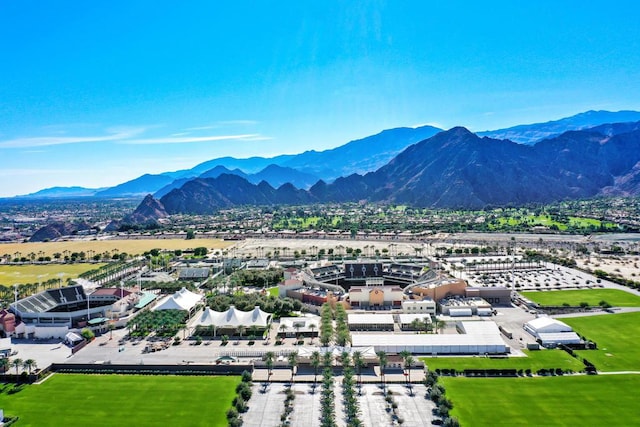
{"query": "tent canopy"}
pixel 233 318
pixel 181 300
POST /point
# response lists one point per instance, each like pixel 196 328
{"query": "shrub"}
pixel 87 334
pixel 246 377
pixel 232 413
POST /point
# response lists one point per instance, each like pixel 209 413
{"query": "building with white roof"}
pixel 370 321
pixel 425 306
pixel 232 320
pixel 296 326
pixel 184 299
pixel 407 320
pixel 432 344
pixel 551 332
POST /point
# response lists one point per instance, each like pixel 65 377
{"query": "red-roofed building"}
pixel 7 322
pixel 109 294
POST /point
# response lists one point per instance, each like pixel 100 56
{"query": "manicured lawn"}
pixel 122 400
pixel 614 297
pixel 132 247
pixel 616 336
pixel 542 359
pixel 273 291
pixel 35 273
pixel 545 401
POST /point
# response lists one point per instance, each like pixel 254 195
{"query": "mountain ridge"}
pixel 459 169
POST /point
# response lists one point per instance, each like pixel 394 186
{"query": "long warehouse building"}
pixel 474 341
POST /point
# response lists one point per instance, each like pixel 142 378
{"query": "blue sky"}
pixel 96 93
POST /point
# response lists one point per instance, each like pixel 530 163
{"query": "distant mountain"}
pixel 277 176
pixel 205 195
pixel 61 192
pixel 454 169
pixel 140 186
pixel 359 156
pixel 212 173
pixel 58 229
pixel 273 174
pixel 219 170
pixel 249 165
pixel 530 134
pixel 146 215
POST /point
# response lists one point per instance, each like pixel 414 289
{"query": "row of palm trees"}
pixel 27 365
pixel 428 325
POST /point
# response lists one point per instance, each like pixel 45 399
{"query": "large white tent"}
pixel 546 325
pixel 479 338
pixel 551 332
pixel 234 318
pixel 184 299
pixel 432 343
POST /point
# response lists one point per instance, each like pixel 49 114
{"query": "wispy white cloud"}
pixel 187 139
pixel 258 138
pixel 223 123
pixel 44 141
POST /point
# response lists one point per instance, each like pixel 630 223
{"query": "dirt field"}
pixel 625 266
pixel 130 246
pixel 287 247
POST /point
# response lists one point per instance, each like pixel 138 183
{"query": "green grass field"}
pixel 122 400
pixel 615 297
pixel 616 336
pixel 543 359
pixel 545 401
pixel 35 273
pixel 545 220
pixel 273 291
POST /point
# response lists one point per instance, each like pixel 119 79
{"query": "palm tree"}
pixel 416 324
pixel 16 363
pixel 253 329
pixel 268 358
pixel 241 330
pixel 297 326
pixel 382 358
pixel 358 363
pixel 312 326
pixel 439 325
pixel 283 329
pixel 408 363
pixel 315 363
pixel 4 365
pixel 293 362
pixel 29 364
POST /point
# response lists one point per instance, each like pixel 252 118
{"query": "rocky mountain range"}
pixel 356 157
pixel 531 134
pixel 454 169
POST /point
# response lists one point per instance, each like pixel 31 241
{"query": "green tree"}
pixel 293 362
pixel 17 363
pixel 4 364
pixel 382 359
pixel 29 364
pixel 269 358
pixel 315 363
pixel 87 334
